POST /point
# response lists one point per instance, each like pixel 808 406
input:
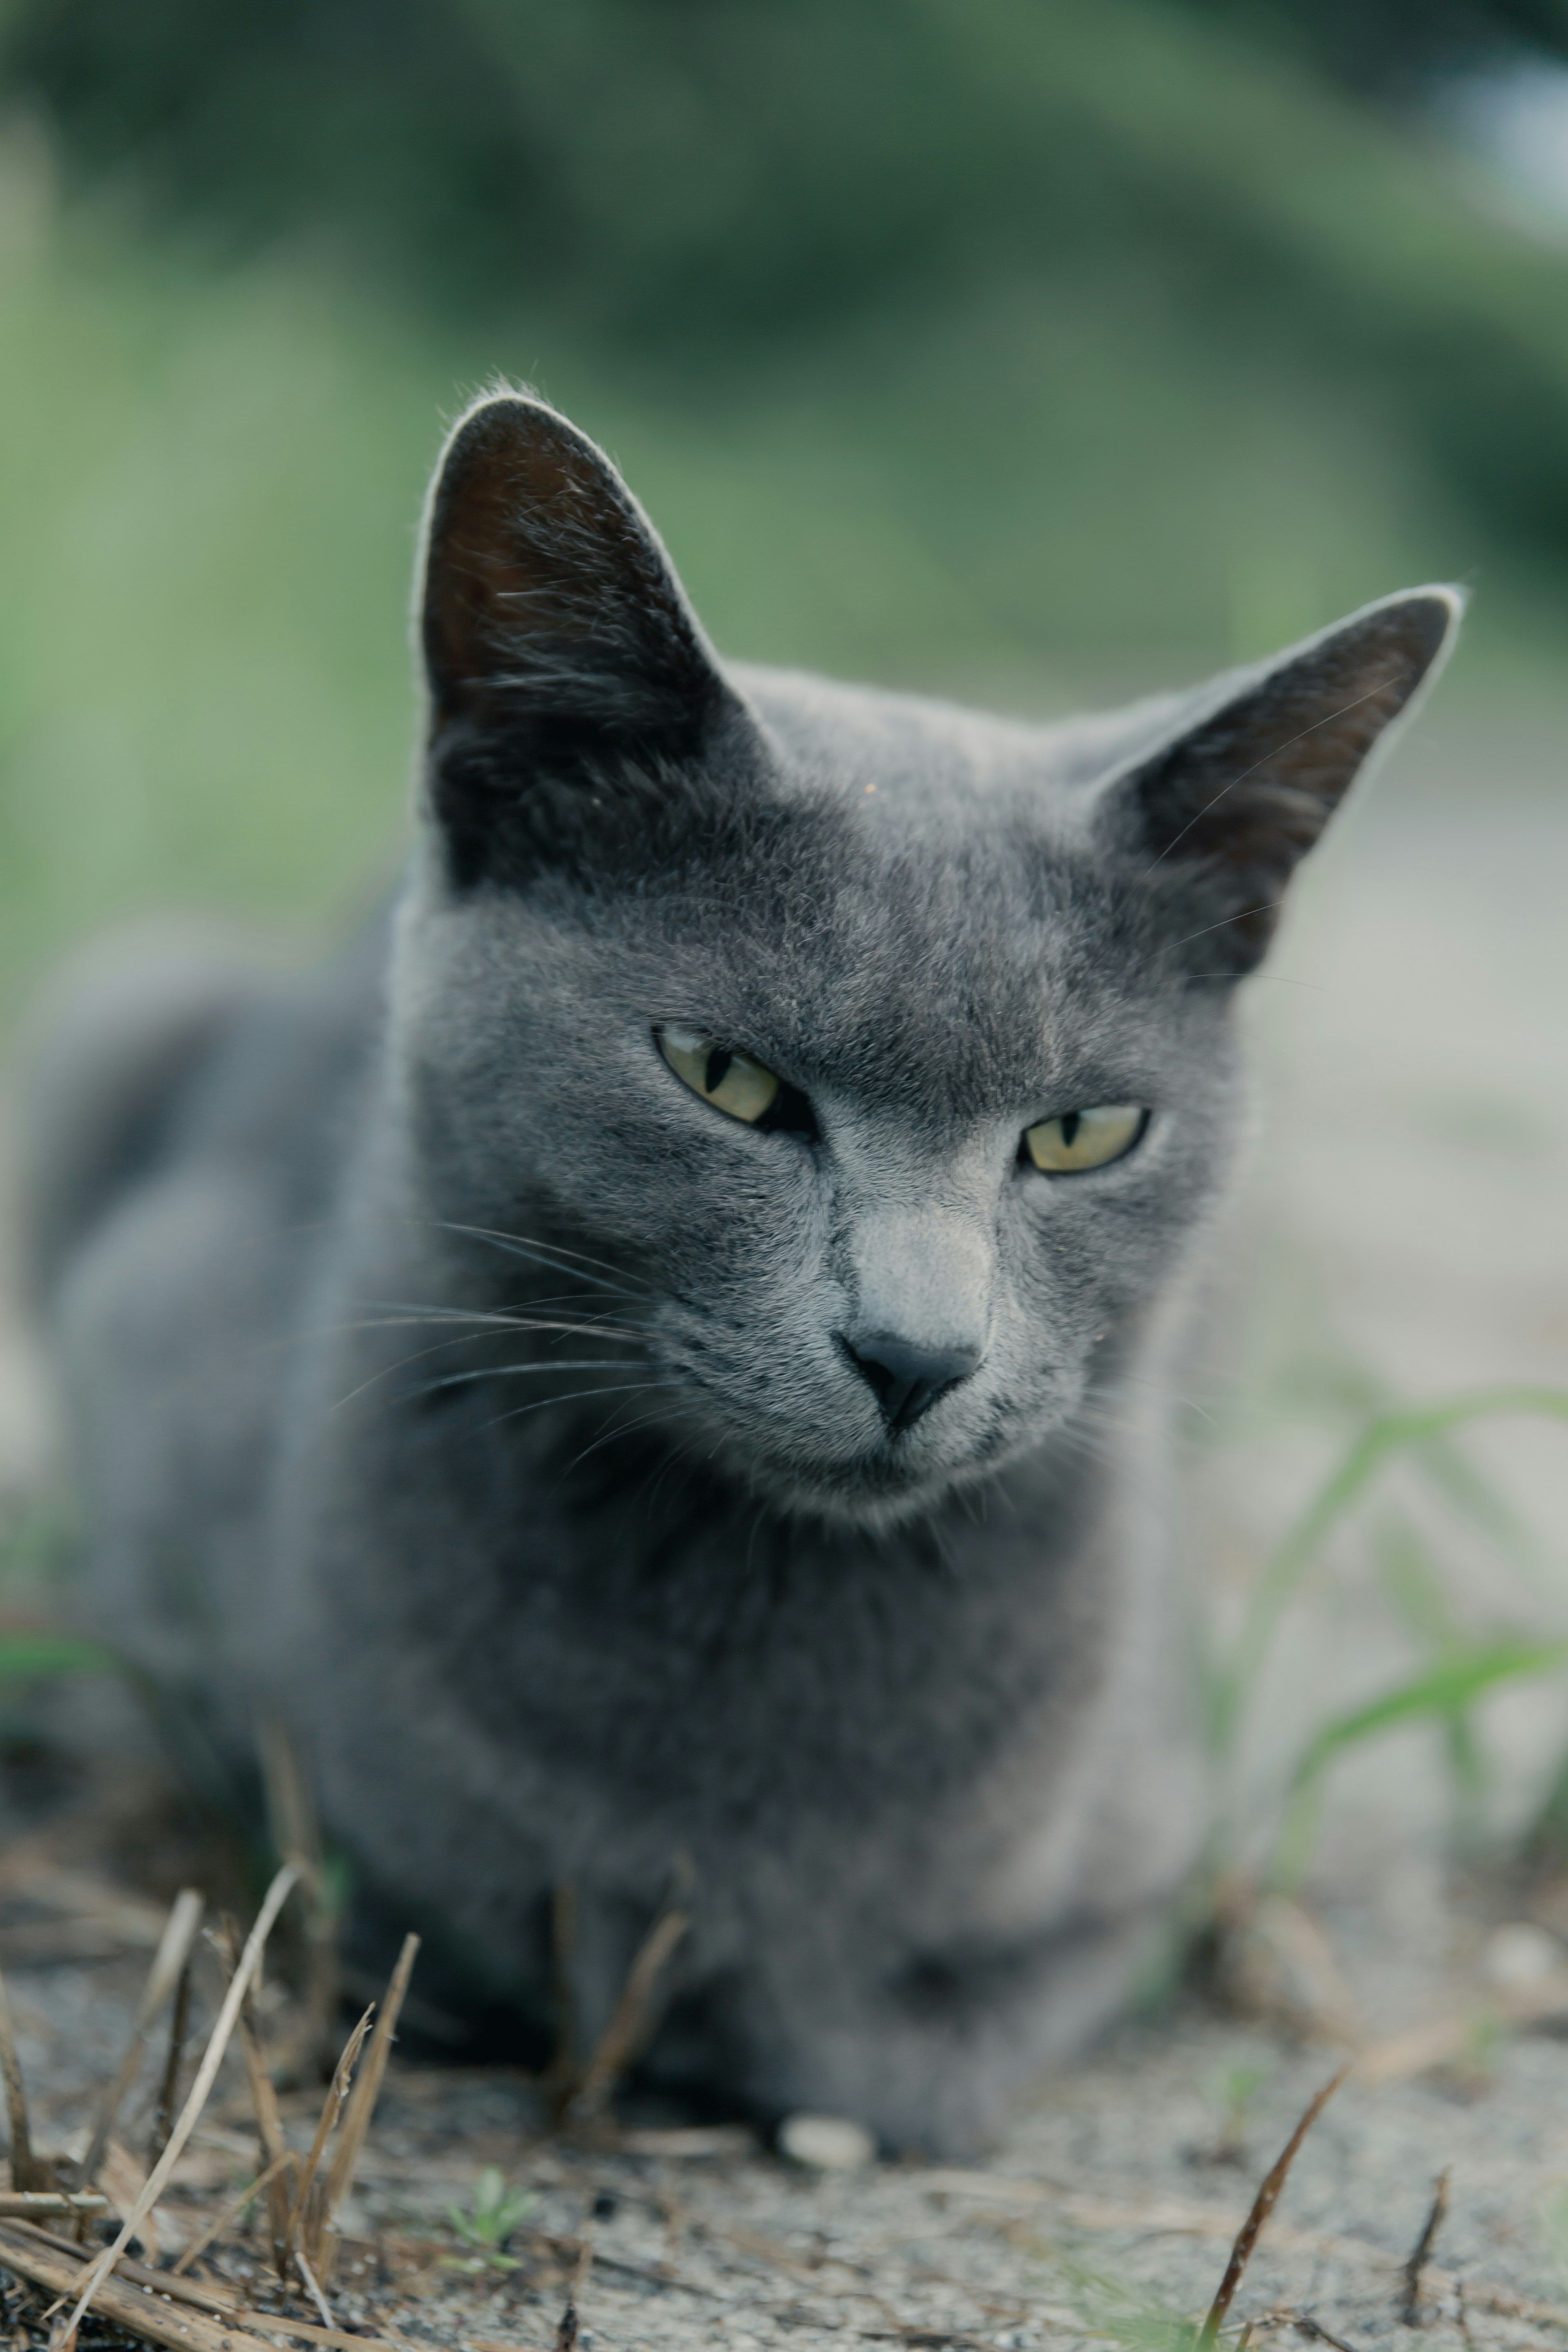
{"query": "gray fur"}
pixel 448 1379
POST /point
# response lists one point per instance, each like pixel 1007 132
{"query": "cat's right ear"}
pixel 1216 819
pixel 565 668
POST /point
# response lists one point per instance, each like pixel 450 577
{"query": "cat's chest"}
pixel 758 1674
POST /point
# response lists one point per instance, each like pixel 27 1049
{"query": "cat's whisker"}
pixel 574 1396
pixel 677 1458
pixel 589 1328
pixel 437 1347
pixel 1176 1396
pixel 1097 1416
pixel 1278 979
pixel 516 1246
pixel 619 1429
pixel 387 1372
pixel 580 1327
pixel 1266 906
pixel 513 1371
pixel 506 1318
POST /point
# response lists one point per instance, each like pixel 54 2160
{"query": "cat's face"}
pixel 875 1058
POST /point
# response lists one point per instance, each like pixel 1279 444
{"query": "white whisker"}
pixel 512 1371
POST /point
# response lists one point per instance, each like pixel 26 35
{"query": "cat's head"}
pixel 874 1055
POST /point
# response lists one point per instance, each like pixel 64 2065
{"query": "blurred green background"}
pixel 1037 351
pixel 1030 348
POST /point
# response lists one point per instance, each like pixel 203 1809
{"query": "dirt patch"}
pixel 1107 2214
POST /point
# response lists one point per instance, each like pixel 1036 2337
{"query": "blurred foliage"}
pixel 699 187
pixel 1014 346
pixel 1399 47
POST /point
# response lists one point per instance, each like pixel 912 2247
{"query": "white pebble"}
pixel 827 2143
pixel 1521 1954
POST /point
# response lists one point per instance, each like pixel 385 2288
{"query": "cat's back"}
pixel 191 1112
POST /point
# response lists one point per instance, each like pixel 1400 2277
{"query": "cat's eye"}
pixel 731 1082
pixel 1084 1139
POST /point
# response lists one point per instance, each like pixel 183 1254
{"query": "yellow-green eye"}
pixel 731 1082
pixel 1083 1139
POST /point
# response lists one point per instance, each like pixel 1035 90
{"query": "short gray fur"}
pixel 446 1378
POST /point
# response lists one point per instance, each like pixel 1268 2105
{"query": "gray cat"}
pixel 658 1354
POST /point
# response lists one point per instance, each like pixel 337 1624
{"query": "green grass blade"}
pixel 27 1657
pixel 1442 1694
pixel 1391 1434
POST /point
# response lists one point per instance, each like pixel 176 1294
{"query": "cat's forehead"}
pixel 923 761
pixel 955 960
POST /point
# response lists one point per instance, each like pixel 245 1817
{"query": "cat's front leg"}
pixel 935 2055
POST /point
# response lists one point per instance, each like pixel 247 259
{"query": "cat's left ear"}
pixel 559 646
pixel 1219 816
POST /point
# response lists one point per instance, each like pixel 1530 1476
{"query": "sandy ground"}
pixel 1401 1232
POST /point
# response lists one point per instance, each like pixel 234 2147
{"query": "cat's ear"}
pixel 1222 811
pixel 559 646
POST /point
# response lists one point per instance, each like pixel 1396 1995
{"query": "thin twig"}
pixel 1410 2310
pixel 1305 2324
pixel 206 2073
pixel 168 1965
pixel 363 2098
pixel 619 2041
pixel 274 2154
pixel 1263 2204
pixel 566 2331
pixel 231 2211
pixel 27 2171
pixel 561 2075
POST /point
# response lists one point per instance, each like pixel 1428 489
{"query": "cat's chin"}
pixel 873 1493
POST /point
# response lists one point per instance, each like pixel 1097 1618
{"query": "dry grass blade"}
pixel 362 2099
pixel 1420 2254
pixel 206 2073
pixel 21 2204
pixel 297 1835
pixel 169 2082
pixel 312 2289
pixel 1441 2039
pixel 168 1965
pixel 1305 2324
pixel 331 2107
pixel 1263 2204
pixel 630 2018
pixel 231 2211
pixel 263 2100
pixel 27 2171
pixel 566 2330
pixel 141 2316
pixel 136 2292
pixel 562 2072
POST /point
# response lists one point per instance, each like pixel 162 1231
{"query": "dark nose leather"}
pixel 906 1380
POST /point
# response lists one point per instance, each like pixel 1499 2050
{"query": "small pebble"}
pixel 1521 1954
pixel 827 2143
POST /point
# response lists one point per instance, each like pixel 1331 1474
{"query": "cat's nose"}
pixel 905 1378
